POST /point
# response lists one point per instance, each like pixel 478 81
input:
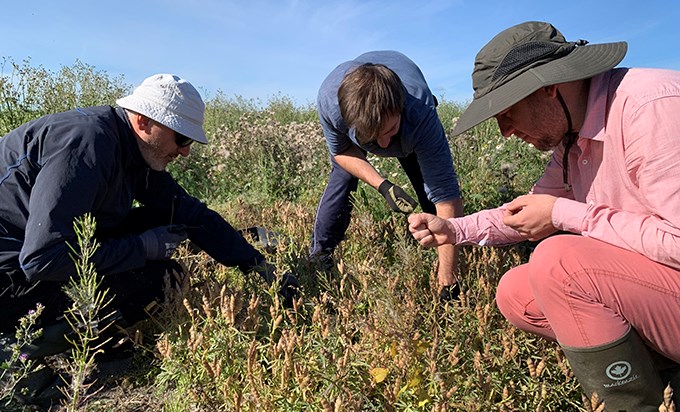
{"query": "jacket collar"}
pixel 132 156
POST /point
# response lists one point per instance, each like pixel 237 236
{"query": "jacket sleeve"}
pixel 73 172
pixel 486 227
pixel 434 157
pixel 208 230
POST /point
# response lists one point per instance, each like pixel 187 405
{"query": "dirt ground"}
pixel 124 384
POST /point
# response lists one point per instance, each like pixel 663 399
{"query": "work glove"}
pixel 160 243
pixel 398 200
pixel 289 289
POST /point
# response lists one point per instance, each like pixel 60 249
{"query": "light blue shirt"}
pixel 421 131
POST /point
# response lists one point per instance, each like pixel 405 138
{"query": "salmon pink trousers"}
pixel 584 293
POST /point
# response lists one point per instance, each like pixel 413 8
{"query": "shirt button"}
pixel 585 161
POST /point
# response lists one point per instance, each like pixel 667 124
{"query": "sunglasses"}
pixel 182 140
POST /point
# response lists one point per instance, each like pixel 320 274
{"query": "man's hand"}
pixel 289 288
pixel 398 200
pixel 531 216
pixel 430 230
pixel 160 243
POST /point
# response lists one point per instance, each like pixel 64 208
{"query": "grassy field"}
pixel 374 336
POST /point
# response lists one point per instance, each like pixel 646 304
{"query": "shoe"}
pixel 622 373
pixel 39 388
pixel 323 262
pixel 262 237
pixel 670 373
pixel 52 342
pixel 6 340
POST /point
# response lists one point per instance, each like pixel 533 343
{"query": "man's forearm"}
pixel 448 254
pixel 355 163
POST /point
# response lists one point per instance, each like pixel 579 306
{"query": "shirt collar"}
pixel 598 96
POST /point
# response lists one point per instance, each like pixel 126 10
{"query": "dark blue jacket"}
pixel 61 166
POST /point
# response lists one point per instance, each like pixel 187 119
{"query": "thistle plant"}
pixel 18 366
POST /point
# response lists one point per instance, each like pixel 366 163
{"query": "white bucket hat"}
pixel 172 102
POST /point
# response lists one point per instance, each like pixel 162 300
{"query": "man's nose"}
pixel 505 126
pixel 384 141
pixel 184 151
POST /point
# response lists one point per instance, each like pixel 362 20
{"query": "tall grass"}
pixel 373 338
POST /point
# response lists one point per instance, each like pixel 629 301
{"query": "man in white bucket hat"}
pixel 172 105
pixel 608 291
pixel 99 160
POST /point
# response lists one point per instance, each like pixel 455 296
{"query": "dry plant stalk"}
pixel 668 405
pixel 593 404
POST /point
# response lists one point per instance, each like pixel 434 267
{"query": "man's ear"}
pixel 141 122
pixel 551 90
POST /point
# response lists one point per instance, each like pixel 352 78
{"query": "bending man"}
pixel 380 103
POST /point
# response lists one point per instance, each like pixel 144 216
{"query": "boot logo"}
pixel 618 370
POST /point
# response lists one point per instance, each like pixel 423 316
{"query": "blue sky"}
pixel 257 49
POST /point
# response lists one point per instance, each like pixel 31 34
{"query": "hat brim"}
pixel 582 63
pixel 186 127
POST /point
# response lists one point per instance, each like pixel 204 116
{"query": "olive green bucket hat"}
pixel 522 59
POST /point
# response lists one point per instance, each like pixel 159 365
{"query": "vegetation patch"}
pixel 374 336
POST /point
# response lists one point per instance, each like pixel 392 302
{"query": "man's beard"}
pixel 152 155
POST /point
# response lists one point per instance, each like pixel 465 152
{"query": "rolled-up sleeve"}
pixel 434 158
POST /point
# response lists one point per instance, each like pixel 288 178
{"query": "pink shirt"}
pixel 624 170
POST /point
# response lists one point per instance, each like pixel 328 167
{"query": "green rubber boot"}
pixel 621 372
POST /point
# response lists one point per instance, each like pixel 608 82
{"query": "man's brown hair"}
pixel 368 95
